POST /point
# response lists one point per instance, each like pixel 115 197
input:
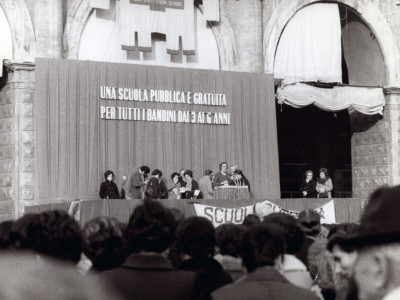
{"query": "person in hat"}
pixel 377 240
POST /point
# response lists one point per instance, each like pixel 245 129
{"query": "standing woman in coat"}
pixel 308 186
pixel 108 189
pixel 324 184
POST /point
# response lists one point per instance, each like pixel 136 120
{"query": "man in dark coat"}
pixel 147 273
pixel 262 247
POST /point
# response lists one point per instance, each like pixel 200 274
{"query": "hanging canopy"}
pixel 368 101
pixel 309 48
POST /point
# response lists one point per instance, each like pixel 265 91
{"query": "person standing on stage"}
pixel 205 185
pixel 307 188
pixel 324 184
pixel 222 177
pixel 108 189
pixel 190 187
pixel 137 182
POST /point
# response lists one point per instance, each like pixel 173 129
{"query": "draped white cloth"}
pixel 368 101
pixel 310 46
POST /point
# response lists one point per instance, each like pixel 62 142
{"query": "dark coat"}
pixel 210 273
pixel 108 190
pixel 190 194
pixel 309 187
pixel 156 189
pixel 263 283
pixel 150 276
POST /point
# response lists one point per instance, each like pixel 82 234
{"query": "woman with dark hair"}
pixel 108 189
pixel 155 187
pixel 189 187
pixel 307 188
pixel 324 184
pixel 147 273
pixel 239 179
pixel 174 185
pixel 195 237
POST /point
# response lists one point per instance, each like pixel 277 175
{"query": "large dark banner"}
pixel 84 129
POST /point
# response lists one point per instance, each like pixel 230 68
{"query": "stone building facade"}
pixel 246 39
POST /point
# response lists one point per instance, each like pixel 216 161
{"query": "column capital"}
pixel 13 66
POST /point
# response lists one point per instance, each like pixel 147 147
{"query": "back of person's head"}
pixel 290 229
pixel 178 214
pixel 338 235
pixel 238 172
pixel 5 231
pixel 195 236
pixel 156 172
pixel 53 233
pixel 145 169
pixel 229 238
pixel 208 172
pixel 107 173
pixel 310 222
pixel 150 228
pixel 261 246
pixel 103 243
pixel 251 220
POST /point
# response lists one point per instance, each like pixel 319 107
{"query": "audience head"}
pixel 156 173
pixel 289 228
pixel 223 166
pixel 229 238
pixel 52 233
pixel 310 222
pixel 144 169
pixel 178 214
pixel 150 228
pixel 5 231
pixel 262 245
pixel 108 173
pixel 251 220
pixel 103 243
pixel 195 236
pixel 377 240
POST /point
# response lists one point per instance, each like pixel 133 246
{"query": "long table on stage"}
pixel 231 192
pixel 346 209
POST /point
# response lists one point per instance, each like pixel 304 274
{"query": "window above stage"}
pixel 117 34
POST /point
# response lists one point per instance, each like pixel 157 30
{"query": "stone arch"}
pixel 370 14
pixel 23 36
pixel 81 9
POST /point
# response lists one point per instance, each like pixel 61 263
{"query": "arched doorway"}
pixel 310 138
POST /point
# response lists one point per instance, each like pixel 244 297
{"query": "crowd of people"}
pixel 161 254
pixel 320 188
pixel 142 183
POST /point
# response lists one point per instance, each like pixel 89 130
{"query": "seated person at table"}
pixel 108 189
pixel 190 187
pixel 222 177
pixel 239 179
pixel 205 184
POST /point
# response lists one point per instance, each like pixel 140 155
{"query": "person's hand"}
pixel 322 190
pixel 304 193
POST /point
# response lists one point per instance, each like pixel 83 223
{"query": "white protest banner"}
pixel 221 215
pixel 326 211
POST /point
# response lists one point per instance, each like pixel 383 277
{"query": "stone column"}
pixel 17 139
pixel 49 28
